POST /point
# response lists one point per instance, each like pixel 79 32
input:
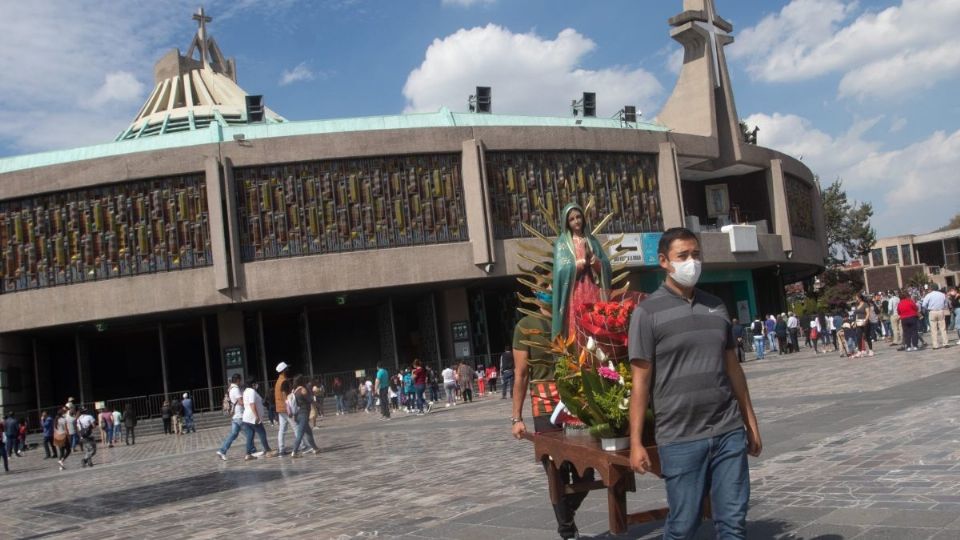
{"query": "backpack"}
pixel 86 432
pixel 292 407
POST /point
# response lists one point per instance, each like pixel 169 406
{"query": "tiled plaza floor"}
pixel 864 448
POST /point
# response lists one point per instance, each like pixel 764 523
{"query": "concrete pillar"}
pixel 308 348
pixel 206 359
pixel 163 359
pixel 231 333
pixel 263 350
pixel 76 343
pixel 388 335
pixel 671 194
pixel 477 202
pixel 778 203
pixel 36 371
pixel 218 228
pixel 233 225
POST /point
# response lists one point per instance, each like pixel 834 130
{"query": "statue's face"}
pixel 575 221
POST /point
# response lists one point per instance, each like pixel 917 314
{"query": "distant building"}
pixel 894 260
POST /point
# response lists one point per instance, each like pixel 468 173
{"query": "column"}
pixel 206 360
pixel 778 204
pixel 307 345
pixel 218 229
pixel 263 350
pixel 671 193
pixel 163 359
pixel 388 335
pixel 477 203
pixel 36 371
pixel 76 342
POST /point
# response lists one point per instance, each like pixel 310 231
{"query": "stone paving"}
pixel 864 448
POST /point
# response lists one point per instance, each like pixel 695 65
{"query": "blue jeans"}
pixel 341 408
pixel 235 427
pixel 715 465
pixel 758 342
pixel 304 431
pixel 419 389
pixel 249 430
pixel 772 341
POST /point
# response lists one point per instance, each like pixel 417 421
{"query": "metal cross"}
pixel 710 26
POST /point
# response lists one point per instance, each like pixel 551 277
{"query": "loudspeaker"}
pixel 629 113
pixel 254 108
pixel 589 104
pixel 484 99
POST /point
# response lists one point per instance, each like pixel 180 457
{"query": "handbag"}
pixel 813 333
pixel 60 439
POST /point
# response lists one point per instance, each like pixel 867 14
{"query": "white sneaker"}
pixel 258 454
pixel 222 455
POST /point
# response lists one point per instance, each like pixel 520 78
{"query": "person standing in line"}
pixel 481 381
pixel 166 414
pixel 85 425
pixel 419 385
pixel 781 330
pixel 176 410
pixel 338 395
pixel 61 436
pixel 105 425
pixel 409 392
pixel 896 328
pixel 235 395
pixel 770 325
pixel 187 405
pixel 506 372
pixel 759 337
pixel 383 390
pixel 937 307
pixel 909 312
pixel 71 418
pixel 252 417
pixel 450 385
pixel 793 331
pixel 303 399
pixel 433 385
pixel 465 378
pixel 738 331
pixel 280 404
pixel 46 422
pixel 130 425
pixel 492 379
pixel 117 425
pixel 682 358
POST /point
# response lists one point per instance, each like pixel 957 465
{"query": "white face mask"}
pixel 686 273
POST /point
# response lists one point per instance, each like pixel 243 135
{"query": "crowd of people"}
pixel 70 428
pixel 899 318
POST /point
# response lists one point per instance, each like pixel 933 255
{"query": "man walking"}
pixel 793 329
pixel 465 377
pixel 506 372
pixel 280 402
pixel 770 325
pixel 383 389
pixel 682 357
pixel 252 417
pixel 235 395
pixel 896 327
pixel 759 337
pixel 187 405
pixel 11 430
pixel 85 431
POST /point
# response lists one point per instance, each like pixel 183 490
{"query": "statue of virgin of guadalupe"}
pixel 581 269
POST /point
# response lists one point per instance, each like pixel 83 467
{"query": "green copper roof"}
pixel 216 133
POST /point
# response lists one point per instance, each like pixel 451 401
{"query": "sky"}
pixel 859 90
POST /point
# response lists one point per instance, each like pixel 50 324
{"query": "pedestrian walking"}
pixel 302 398
pixel 704 419
pixel 46 423
pixel 506 372
pixel 118 426
pixel 337 388
pixel 280 404
pixel 419 386
pixel 61 436
pixel 383 390
pixel 187 405
pixel 449 385
pixel 235 397
pixel 130 425
pixel 252 417
pixel 85 425
pixel 465 377
pixel 11 430
pixel 105 422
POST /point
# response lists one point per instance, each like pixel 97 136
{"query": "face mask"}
pixel 545 297
pixel 686 273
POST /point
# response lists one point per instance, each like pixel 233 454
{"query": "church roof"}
pixel 191 93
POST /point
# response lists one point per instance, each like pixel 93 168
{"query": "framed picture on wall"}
pixel 718 201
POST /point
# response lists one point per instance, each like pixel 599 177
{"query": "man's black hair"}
pixel 676 233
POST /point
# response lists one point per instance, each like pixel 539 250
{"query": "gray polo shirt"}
pixel 685 342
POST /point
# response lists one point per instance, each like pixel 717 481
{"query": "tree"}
pixel 847 223
pixel 954 224
pixel 749 135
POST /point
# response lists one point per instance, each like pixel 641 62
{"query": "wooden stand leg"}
pixel 617 507
pixel 554 480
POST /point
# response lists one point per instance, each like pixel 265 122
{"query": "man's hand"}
pixel 519 429
pixel 639 459
pixel 754 444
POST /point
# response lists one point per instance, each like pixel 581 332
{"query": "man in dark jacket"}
pixel 11 428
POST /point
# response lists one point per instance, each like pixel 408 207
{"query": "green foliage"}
pixel 919 279
pixel 953 224
pixel 847 223
pixel 839 287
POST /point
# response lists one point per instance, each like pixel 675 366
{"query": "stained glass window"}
pixel 104 232
pixel 624 184
pixel 800 207
pixel 346 205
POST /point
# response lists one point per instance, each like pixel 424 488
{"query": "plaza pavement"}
pixel 866 448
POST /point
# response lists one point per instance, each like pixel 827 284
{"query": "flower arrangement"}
pixel 593 376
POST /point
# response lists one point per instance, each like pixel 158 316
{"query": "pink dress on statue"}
pixel 585 289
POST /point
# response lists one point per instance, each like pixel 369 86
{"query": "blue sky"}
pixel 861 90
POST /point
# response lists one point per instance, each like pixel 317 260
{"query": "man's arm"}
pixel 639 398
pixel 738 382
pixel 521 377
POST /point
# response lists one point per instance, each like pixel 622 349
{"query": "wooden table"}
pixel 583 452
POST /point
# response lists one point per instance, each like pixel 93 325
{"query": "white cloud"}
pixel 299 73
pixel 466 3
pixel 904 73
pixel 811 38
pixel 675 61
pixel 529 74
pixel 118 86
pixel 911 188
pixel 898 124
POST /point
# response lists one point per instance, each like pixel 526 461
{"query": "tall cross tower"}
pixel 202 19
pixel 702 101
